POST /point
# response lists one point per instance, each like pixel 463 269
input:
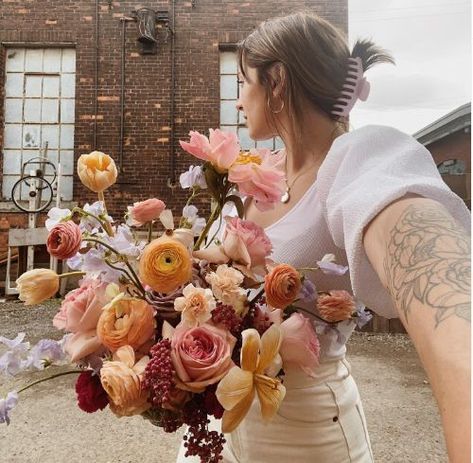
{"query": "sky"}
pixel 431 43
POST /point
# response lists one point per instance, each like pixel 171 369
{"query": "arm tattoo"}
pixel 428 260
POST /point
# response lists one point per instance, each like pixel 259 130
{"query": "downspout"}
pixel 172 179
pixel 122 98
pixel 96 71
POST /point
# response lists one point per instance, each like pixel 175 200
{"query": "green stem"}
pixel 64 373
pixel 71 274
pixel 136 280
pixel 107 226
pixel 84 213
pixel 213 216
pixel 150 231
pixel 125 272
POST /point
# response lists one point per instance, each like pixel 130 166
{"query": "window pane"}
pixel 12 136
pixel 33 86
pixel 228 112
pixel 69 60
pixel 245 141
pixel 50 112
pixel 228 87
pixel 51 87
pixel 67 162
pixel 31 136
pixel 67 111
pixel 13 110
pixel 228 62
pixel 15 60
pixel 50 134
pixel 52 60
pixel 14 85
pixel 11 162
pixel 68 85
pixel 32 110
pixel 34 60
pixel 67 137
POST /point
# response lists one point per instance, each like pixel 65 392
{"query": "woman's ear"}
pixel 277 75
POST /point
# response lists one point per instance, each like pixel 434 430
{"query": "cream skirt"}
pixel 321 420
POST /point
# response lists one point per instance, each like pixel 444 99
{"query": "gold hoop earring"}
pixel 275 111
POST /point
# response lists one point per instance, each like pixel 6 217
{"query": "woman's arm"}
pixel 422 256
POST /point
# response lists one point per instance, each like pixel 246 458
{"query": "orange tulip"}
pixel 97 171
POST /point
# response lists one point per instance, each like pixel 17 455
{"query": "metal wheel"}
pixel 31 186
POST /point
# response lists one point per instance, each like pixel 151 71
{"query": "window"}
pixel 452 167
pixel 39 109
pixel 230 118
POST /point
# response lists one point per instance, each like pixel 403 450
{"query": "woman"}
pixel 372 197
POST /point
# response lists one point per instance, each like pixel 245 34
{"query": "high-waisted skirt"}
pixel 320 420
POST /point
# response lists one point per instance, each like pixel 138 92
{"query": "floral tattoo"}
pixel 428 260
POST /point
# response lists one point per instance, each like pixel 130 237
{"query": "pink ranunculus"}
pixel 145 211
pixel 246 244
pixel 79 314
pixel 259 174
pixel 201 355
pixel 300 345
pixel 64 240
pixel 221 148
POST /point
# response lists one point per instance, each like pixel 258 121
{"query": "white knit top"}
pixel 364 171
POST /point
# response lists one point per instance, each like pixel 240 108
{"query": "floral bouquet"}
pixel 194 323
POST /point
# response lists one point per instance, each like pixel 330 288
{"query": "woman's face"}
pixel 252 103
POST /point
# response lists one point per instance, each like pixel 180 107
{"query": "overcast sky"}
pixel 431 43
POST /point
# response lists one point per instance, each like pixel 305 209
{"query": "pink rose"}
pixel 259 174
pixel 145 211
pixel 300 345
pixel 201 355
pixel 79 314
pixel 64 240
pixel 246 243
pixel 220 149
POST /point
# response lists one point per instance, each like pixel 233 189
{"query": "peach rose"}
pixel 336 306
pixel 37 285
pixel 282 285
pixel 64 240
pixel 97 171
pixel 245 243
pixel 79 314
pixel 196 305
pixel 145 211
pixel 126 321
pixel 201 355
pixel 300 345
pixel 165 264
pixel 121 378
pixel 225 283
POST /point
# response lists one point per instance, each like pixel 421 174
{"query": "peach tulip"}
pixel 97 171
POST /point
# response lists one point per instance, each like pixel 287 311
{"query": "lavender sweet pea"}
pixel 14 360
pixel 194 177
pixel 7 405
pixel 46 352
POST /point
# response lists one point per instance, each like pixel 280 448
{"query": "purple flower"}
pixel 362 316
pixel 330 268
pixel 192 178
pixel 308 291
pixel 46 352
pixel 89 223
pixel 13 361
pixel 7 405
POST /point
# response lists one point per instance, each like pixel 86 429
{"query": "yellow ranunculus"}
pixel 37 285
pixel 97 171
pixel 237 389
pixel 165 264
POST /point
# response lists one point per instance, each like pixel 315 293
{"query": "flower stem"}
pixel 64 373
pixel 106 225
pixel 136 280
pixel 213 217
pixel 150 231
pixel 71 274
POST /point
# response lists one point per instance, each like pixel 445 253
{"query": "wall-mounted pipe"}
pixel 122 97
pixel 172 179
pixel 96 70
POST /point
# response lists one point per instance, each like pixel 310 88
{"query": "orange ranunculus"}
pixel 37 285
pixel 97 171
pixel 126 321
pixel 165 264
pixel 336 306
pixel 121 378
pixel 282 285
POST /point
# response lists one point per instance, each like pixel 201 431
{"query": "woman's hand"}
pixel 422 256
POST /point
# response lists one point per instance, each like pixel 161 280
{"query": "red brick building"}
pixel 74 74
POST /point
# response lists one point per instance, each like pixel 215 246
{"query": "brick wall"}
pixel 199 32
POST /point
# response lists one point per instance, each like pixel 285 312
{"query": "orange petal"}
pixel 232 418
pixel 271 393
pixel 251 344
pixel 234 387
pixel 270 343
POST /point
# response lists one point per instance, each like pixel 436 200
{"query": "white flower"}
pixel 89 223
pixel 196 305
pixel 14 360
pixel 7 405
pixel 193 177
pixel 197 224
pixel 55 215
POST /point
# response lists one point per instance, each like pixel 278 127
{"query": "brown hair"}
pixel 314 54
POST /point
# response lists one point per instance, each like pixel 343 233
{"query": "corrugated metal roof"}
pixel 452 122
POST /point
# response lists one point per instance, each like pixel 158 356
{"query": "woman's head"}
pixel 292 64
